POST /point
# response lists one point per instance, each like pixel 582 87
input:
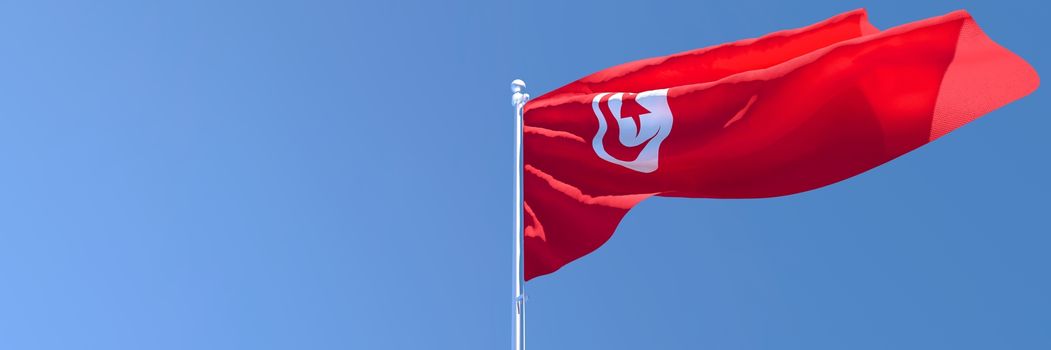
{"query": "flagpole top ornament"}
pixel 519 98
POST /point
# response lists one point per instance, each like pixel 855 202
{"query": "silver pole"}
pixel 518 100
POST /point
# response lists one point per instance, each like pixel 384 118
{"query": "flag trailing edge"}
pixel 781 114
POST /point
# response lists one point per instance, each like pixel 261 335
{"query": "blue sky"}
pixel 337 175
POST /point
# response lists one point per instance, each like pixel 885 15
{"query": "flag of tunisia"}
pixel 785 113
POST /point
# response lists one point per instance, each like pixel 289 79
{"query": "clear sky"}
pixel 337 175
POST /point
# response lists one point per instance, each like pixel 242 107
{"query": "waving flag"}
pixel 785 113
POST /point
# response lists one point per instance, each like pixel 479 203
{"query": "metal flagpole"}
pixel 518 100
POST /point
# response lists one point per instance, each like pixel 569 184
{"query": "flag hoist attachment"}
pixel 518 99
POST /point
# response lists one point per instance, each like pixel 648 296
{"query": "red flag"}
pixel 782 114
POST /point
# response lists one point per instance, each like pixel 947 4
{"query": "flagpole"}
pixel 518 100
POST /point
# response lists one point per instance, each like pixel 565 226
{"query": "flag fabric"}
pixel 781 114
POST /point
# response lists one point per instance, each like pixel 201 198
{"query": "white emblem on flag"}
pixel 639 123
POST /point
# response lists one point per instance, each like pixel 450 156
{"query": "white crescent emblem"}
pixel 642 121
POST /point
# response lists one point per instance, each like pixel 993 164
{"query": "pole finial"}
pixel 519 98
pixel 517 85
